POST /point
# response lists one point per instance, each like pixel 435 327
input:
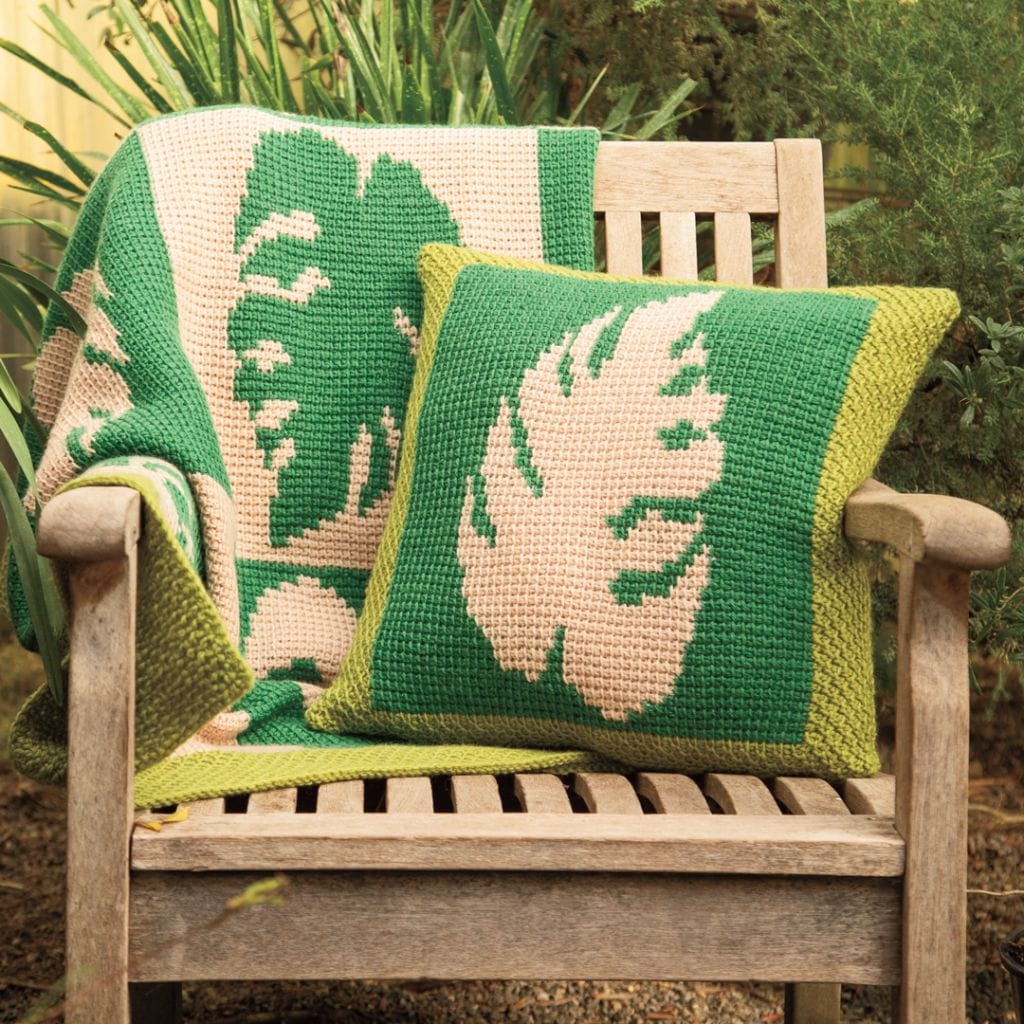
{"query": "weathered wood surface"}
pixel 678 245
pixel 410 796
pixel 734 263
pixel 100 807
pixel 740 794
pixel 459 924
pixel 876 795
pixel 340 797
pixel 206 808
pixel 623 232
pixel 607 793
pixel 542 794
pixel 671 794
pixel 475 794
pixel 808 796
pixel 811 1002
pixel 90 524
pixel 700 177
pixel 928 527
pixel 800 255
pixel 769 844
pixel 932 722
pixel 273 801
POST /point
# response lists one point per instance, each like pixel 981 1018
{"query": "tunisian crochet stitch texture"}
pixel 249 284
pixel 630 539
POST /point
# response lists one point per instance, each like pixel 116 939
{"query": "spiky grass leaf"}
pixel 142 33
pixel 496 69
pixel 43 292
pixel 9 391
pixel 160 104
pixel 69 40
pixel 31 175
pixel 84 174
pixel 37 583
pixel 227 52
pixel 62 80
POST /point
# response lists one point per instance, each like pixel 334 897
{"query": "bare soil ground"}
pixel 32 836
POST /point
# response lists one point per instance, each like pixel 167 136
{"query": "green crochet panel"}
pixel 617 523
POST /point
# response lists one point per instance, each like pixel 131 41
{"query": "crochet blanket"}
pixel 248 281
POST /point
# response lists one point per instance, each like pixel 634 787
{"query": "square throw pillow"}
pixel 618 519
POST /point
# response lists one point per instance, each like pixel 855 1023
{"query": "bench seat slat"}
pixel 476 924
pixel 607 793
pixel 476 794
pixel 344 797
pixel 720 843
pixel 671 794
pixel 876 795
pixel 411 795
pixel 206 808
pixel 273 801
pixel 740 794
pixel 542 794
pixel 808 796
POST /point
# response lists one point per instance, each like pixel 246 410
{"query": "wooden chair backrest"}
pixel 676 181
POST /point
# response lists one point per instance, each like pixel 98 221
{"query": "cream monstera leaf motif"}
pixel 606 448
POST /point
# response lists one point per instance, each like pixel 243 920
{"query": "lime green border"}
pixel 217 773
pixel 187 669
pixel 840 734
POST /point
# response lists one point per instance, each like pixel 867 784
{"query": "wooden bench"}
pixel 601 876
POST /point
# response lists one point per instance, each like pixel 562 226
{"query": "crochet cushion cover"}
pixel 617 523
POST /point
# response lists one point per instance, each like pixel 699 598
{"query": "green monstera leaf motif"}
pixel 325 326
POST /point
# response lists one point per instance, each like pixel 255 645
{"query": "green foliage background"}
pixel 932 87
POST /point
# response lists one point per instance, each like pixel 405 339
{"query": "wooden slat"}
pixel 475 794
pixel 808 796
pixel 876 795
pixel 542 794
pixel 800 257
pixel 701 176
pixel 459 924
pixel 205 808
pixel 734 262
pixel 672 794
pixel 813 1003
pixel 607 793
pixel 624 242
pixel 771 844
pixel 411 795
pixel 273 801
pixel 740 794
pixel 932 729
pixel 344 797
pixel 678 245
pixel 101 727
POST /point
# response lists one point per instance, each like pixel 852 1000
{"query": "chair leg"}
pixel 101 718
pixel 155 1003
pixel 813 1003
pixel 932 728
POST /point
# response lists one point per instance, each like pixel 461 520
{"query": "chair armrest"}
pixel 90 524
pixel 928 527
